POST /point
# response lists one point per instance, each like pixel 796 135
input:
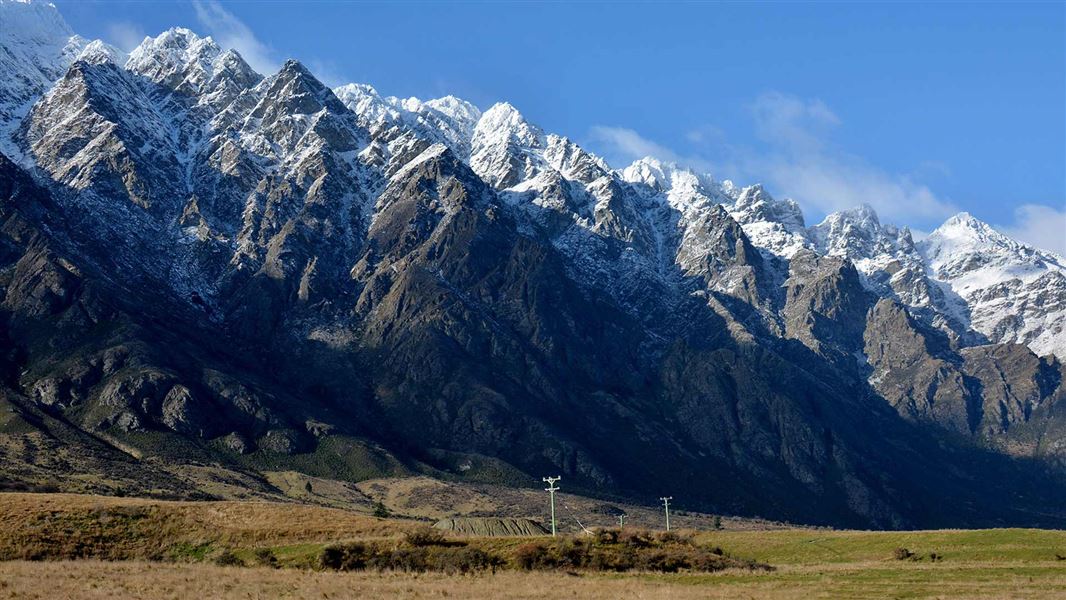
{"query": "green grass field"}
pixel 807 547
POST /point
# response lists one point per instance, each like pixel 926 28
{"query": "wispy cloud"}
pixel 790 122
pixel 621 146
pixel 801 160
pixel 1039 225
pixel 705 135
pixel 627 145
pixel 231 32
pixel 124 35
pixel 796 157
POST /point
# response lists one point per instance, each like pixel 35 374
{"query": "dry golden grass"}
pixel 122 528
pixel 95 580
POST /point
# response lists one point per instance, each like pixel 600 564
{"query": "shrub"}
pixel 227 558
pixel 402 559
pixel 265 557
pixel 717 522
pixel 345 557
pixel 635 538
pixel 531 556
pixel 709 562
pixel 663 561
pixel 605 536
pixel 425 536
pixel 380 511
pixel 619 559
pixel 572 553
pixel 466 560
pixel 902 553
pixel 418 559
pixel 673 537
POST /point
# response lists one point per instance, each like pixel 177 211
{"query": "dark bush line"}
pixel 446 559
pixel 613 550
pixel 606 550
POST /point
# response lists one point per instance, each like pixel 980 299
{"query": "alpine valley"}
pixel 208 274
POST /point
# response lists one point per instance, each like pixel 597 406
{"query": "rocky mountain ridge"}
pixel 205 264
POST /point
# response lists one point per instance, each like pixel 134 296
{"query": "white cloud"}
pixel 801 161
pixel 626 145
pixel 124 35
pixel 829 183
pixel 1039 225
pixel 231 32
pixel 620 146
pixel 785 120
pixel 798 159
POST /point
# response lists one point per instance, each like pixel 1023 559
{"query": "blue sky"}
pixel 919 110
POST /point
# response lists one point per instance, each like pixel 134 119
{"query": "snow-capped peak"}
pixel 1013 292
pixel 964 232
pixel 97 51
pixel 506 149
pixel 296 88
pixel 885 255
pixel 455 108
pixel 967 249
pixel 38 24
pixel 448 120
pixel 36 47
pixel 776 226
pixel 187 63
pixel 855 233
pixel 755 204
pixel 648 171
pixel 173 57
pixel 663 176
pixel 503 124
pixel 365 102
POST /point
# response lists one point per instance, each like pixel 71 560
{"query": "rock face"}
pixel 199 263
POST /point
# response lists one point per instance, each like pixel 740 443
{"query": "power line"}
pixel 573 515
pixel 666 505
pixel 551 489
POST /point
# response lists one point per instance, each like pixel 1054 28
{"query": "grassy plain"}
pixel 131 548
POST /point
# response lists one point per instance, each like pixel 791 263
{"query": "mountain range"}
pixel 208 274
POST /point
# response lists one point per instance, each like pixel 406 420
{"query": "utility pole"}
pixel 666 504
pixel 551 489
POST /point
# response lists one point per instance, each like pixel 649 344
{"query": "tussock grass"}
pixel 58 526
